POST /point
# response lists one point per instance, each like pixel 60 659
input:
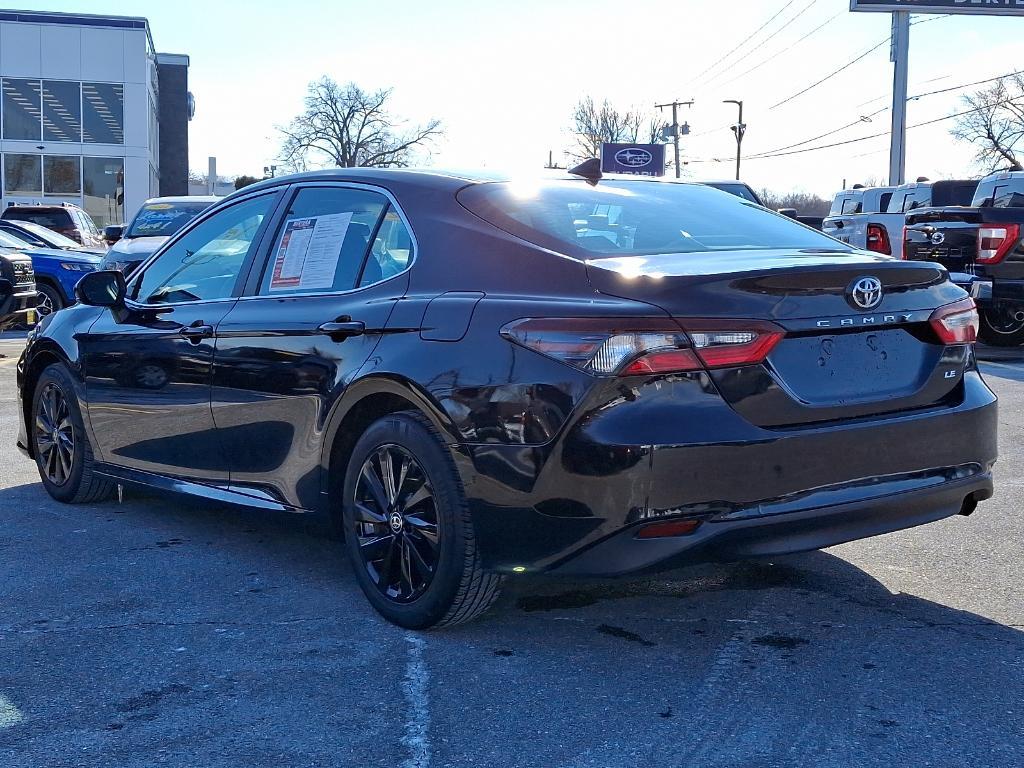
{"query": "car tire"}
pixel 998 331
pixel 63 453
pixel 48 298
pixel 388 553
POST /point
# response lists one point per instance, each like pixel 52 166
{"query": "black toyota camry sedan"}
pixel 478 377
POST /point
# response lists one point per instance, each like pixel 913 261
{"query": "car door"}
pixel 318 301
pixel 148 366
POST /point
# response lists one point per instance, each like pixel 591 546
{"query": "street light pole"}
pixel 675 128
pixel 740 130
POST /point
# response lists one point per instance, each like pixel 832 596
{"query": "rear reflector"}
pixel 878 239
pixel 668 528
pixel 995 241
pixel 956 323
pixel 640 346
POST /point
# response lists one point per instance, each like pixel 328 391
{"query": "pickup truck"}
pixel 874 220
pixel 981 247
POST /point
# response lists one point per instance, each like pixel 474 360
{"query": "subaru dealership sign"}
pixel 991 7
pixel 636 159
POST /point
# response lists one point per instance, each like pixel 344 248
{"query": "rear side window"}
pixel 56 220
pixel 633 218
pixel 323 241
pixel 852 205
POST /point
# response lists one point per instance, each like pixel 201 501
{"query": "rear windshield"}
pixel 1000 193
pixel 9 241
pixel 635 218
pixel 51 219
pixel 164 219
pixel 946 193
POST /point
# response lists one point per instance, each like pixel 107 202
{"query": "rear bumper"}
pixel 784 533
pixel 675 450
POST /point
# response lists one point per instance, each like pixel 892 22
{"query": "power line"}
pixel 843 68
pixel 851 63
pixel 772 36
pixel 745 41
pixel 784 50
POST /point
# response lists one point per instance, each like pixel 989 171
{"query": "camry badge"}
pixel 865 293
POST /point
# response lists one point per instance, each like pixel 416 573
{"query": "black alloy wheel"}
pixel 48 300
pixel 407 527
pixel 55 435
pixel 1003 325
pixel 396 524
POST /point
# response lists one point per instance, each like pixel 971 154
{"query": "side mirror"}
pixel 113 233
pixel 102 289
pixel 790 212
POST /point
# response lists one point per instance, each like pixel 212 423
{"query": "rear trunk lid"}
pixel 837 359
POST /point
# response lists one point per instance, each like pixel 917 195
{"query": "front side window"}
pixel 851 205
pixel 635 218
pixel 323 241
pixel 204 264
pixel 22 106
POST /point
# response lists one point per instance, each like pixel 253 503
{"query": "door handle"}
pixel 196 332
pixel 343 329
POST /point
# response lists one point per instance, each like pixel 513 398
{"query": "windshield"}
pixel 9 241
pixel 633 218
pixel 164 219
pixel 55 239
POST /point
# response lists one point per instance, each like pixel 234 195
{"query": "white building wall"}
pixel 88 54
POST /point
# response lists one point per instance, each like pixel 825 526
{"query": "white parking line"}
pixel 417 715
pixel 10 715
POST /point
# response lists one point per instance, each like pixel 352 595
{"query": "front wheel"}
pixel 61 447
pixel 48 300
pixel 1003 325
pixel 407 528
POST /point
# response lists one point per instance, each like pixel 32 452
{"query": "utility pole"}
pixel 740 130
pixel 675 130
pixel 900 58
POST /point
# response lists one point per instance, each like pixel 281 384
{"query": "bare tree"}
pixel 594 124
pixel 995 124
pixel 806 203
pixel 347 127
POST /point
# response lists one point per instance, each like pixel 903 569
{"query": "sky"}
pixel 503 77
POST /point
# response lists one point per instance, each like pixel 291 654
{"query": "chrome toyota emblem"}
pixel 938 238
pixel 634 157
pixel 865 293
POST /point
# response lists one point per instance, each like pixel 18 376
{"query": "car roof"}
pixel 44 207
pixel 184 199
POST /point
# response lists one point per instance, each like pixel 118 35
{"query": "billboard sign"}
pixel 635 159
pixel 988 7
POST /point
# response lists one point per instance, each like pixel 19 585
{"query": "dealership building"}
pixel 91 114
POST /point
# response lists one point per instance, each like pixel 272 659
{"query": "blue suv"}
pixel 57 272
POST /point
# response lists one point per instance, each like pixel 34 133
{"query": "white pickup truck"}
pixel 873 218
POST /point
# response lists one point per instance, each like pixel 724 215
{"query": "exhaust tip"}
pixel 970 504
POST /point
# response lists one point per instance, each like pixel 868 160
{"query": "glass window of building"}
pixel 103 182
pixel 62 176
pixel 103 113
pixel 62 111
pixel 22 106
pixel 23 174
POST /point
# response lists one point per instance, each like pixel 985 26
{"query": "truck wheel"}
pixel 407 529
pixel 1000 327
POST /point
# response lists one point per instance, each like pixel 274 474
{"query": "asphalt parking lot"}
pixel 163 631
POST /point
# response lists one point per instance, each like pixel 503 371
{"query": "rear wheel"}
pixel 1002 327
pixel 62 450
pixel 407 528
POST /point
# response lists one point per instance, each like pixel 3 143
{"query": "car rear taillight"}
pixel 995 241
pixel 956 323
pixel 612 346
pixel 878 239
